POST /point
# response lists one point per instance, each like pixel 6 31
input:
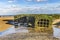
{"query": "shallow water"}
pixel 13 30
pixel 56 32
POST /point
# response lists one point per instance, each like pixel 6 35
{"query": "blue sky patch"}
pixel 13 7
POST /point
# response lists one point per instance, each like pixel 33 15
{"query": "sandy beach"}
pixel 29 36
pixel 3 25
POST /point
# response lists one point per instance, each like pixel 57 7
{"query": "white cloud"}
pixel 36 0
pixel 41 0
pixel 11 1
pixel 11 9
pixel 29 0
pixel 45 8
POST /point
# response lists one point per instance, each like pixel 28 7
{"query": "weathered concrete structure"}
pixel 38 21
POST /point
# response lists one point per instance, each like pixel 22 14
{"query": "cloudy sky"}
pixel 13 7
